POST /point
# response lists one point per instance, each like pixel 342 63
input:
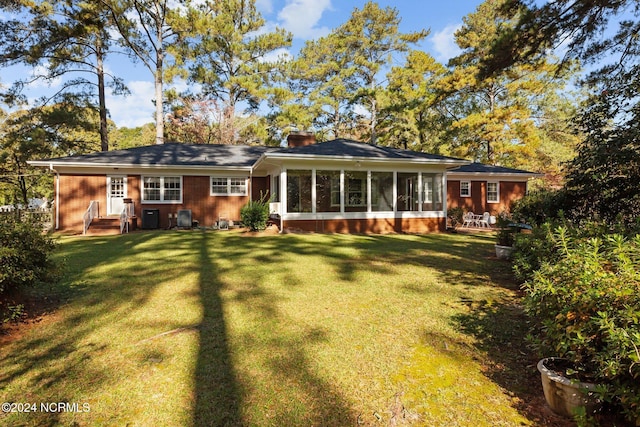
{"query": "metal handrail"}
pixel 91 213
pixel 128 211
pixel 124 220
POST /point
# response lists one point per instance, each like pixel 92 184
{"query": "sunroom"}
pixel 348 186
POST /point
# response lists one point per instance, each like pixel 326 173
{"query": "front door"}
pixel 116 193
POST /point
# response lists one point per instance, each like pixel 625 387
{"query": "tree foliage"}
pixel 603 177
pixel 498 118
pixel 227 53
pixel 42 132
pixel 62 38
pixel 147 29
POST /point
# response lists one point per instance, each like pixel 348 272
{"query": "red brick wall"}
pixel 76 192
pixel 370 226
pixel 477 203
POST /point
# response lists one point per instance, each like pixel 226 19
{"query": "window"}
pixel 227 186
pixel 299 191
pixel 381 191
pixel 407 188
pixel 161 189
pixel 172 188
pixel 465 188
pixel 275 188
pixel 355 191
pixel 327 191
pixel 432 192
pixel 492 192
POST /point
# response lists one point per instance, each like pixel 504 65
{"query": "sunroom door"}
pixel 116 193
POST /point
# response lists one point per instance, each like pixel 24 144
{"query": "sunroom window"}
pixel 299 191
pixel 355 189
pixel 382 191
pixel 432 192
pixel 327 191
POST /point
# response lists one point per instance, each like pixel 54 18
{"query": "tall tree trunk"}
pixel 374 111
pixel 104 131
pixel 159 111
pixel 158 86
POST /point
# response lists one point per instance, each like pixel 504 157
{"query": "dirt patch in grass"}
pixel 34 311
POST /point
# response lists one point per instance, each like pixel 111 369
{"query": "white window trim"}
pixel 469 188
pixel 497 200
pixel 228 193
pixel 161 201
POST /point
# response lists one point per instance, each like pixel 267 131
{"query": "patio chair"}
pixel 483 221
pixel 468 219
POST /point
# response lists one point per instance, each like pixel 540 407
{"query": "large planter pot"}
pixel 563 395
pixel 503 252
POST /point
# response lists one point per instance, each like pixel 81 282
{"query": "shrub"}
pixel 538 207
pixel 585 307
pixel 506 234
pixel 455 216
pixel 531 250
pixel 25 255
pixel 255 214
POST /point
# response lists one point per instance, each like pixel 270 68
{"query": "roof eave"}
pixel 286 156
pixel 47 163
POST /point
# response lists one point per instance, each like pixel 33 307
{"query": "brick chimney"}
pixel 300 139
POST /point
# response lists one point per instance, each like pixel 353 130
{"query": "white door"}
pixel 116 193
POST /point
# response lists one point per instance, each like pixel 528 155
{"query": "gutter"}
pixel 57 201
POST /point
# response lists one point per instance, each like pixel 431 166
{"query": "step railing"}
pixel 128 211
pixel 91 213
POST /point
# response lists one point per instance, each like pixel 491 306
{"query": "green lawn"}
pixel 222 328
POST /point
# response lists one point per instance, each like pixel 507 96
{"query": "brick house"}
pixel 483 188
pixel 336 186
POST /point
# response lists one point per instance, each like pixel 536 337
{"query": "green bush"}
pixel 585 306
pixel 531 250
pixel 255 214
pixel 25 255
pixel 538 207
pixel 455 216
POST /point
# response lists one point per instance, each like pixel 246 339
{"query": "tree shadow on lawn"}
pixel 56 361
pixel 221 389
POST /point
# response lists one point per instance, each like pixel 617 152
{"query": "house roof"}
pixel 349 149
pixel 169 154
pixel 178 155
pixel 480 168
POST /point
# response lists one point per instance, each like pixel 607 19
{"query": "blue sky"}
pixel 306 19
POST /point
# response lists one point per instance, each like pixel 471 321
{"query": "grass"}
pixel 215 328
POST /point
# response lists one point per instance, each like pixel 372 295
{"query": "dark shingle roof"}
pixel 482 168
pixel 174 154
pixel 208 155
pixel 349 148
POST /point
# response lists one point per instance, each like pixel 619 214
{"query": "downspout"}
pixel 57 201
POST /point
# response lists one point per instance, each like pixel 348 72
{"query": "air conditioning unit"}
pixel 184 218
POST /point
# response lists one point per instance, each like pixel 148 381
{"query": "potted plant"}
pixel 563 390
pixel 504 236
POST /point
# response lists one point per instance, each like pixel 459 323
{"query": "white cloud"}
pixel 301 17
pixel 139 107
pixel 136 109
pixel 36 75
pixel 444 44
pixel 281 54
